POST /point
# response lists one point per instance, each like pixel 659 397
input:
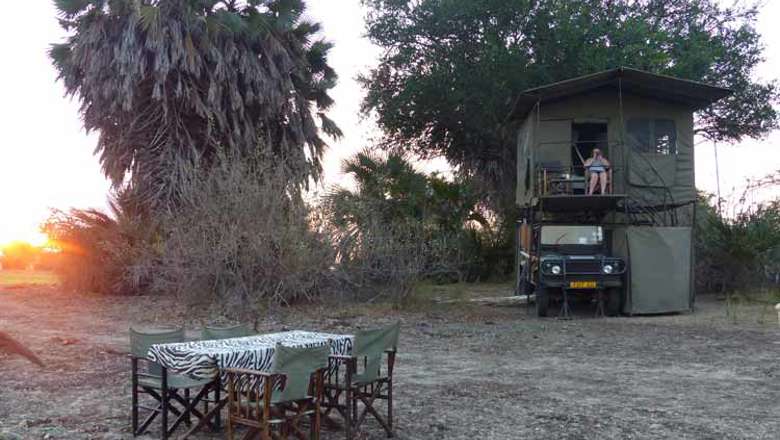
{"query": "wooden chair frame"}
pixel 365 393
pixel 263 417
pixel 165 397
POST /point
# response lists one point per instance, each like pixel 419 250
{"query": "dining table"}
pixel 208 359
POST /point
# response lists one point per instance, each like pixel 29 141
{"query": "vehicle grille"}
pixel 583 266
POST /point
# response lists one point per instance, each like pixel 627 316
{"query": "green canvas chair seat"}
pixel 217 332
pixel 166 389
pixel 364 380
pixel 175 381
pixel 278 400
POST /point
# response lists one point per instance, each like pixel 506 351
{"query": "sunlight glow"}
pixel 33 237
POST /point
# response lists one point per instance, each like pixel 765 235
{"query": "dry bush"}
pixel 241 238
pixel 397 225
pixel 383 259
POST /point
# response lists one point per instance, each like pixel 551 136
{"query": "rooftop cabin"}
pixel 642 122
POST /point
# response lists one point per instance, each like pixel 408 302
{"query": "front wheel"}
pixel 613 301
pixel 542 302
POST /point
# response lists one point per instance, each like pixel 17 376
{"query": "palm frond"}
pixel 169 85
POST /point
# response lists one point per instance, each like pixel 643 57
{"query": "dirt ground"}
pixel 463 372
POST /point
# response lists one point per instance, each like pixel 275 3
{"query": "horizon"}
pixel 46 160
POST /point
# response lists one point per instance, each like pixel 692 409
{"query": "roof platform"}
pixel 695 94
pixel 597 203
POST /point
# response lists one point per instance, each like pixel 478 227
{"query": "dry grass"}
pixel 492 372
pixel 10 278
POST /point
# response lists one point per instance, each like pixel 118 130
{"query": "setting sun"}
pixel 31 236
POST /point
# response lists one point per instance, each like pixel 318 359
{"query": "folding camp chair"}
pixel 166 389
pixel 236 331
pixel 367 386
pixel 274 404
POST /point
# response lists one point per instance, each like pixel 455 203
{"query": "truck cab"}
pixel 574 261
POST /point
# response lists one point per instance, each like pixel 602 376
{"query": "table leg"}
pixel 217 392
pixel 164 412
pixel 213 413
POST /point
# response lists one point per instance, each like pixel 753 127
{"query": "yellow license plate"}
pixel 582 284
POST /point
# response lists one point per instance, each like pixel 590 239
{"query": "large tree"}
pixel 178 83
pixel 450 69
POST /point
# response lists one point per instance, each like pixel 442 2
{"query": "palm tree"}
pixel 388 189
pixel 393 201
pixel 173 84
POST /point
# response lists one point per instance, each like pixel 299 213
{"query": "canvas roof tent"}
pixel 644 124
pixel 648 124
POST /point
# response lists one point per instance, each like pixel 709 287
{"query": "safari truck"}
pixel 574 260
pixel 628 247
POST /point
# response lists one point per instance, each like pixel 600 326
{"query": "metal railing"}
pixel 567 180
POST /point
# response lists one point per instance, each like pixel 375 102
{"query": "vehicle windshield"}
pixel 558 235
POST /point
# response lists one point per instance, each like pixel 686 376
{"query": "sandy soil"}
pixel 464 372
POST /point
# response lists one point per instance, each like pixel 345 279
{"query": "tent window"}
pixel 658 136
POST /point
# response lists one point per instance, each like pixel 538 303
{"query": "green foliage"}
pixel 736 252
pixel 400 225
pixel 491 254
pixel 451 69
pixel 169 85
pixel 390 190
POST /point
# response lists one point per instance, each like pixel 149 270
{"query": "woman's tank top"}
pixel 597 166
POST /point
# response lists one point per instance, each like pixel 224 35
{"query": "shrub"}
pixel 241 237
pixel 738 249
pixel 399 226
pixel 103 252
pixel 389 259
pixel 491 252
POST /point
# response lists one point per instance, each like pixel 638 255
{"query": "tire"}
pixel 542 302
pixel 614 297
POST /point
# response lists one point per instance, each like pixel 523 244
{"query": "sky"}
pixel 47 161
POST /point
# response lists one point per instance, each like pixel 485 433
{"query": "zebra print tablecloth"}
pixel 205 359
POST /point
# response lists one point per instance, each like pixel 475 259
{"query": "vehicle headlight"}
pixel 556 270
pixel 607 268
